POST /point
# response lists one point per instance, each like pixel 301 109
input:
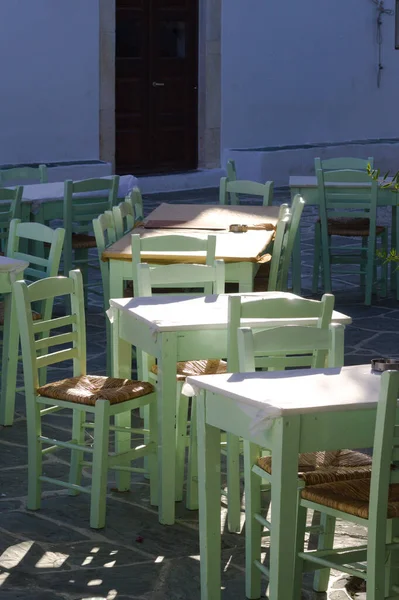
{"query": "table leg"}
pixel 246 277
pixel 115 291
pixel 167 360
pixel 9 361
pixel 121 367
pixel 284 506
pixel 209 503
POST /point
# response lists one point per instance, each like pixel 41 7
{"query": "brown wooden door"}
pixel 156 85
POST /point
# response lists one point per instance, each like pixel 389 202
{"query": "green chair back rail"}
pixel 373 504
pixel 20 173
pixel 102 397
pixel 229 190
pixel 128 213
pixel 337 164
pixel 10 208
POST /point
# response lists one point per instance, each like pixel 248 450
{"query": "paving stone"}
pixel 31 527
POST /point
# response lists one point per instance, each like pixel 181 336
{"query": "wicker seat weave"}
pixel 35 315
pixel 351 227
pixel 82 240
pixel 87 389
pixel 323 467
pixel 197 367
pixel 351 497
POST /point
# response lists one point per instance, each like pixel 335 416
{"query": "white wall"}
pixel 49 80
pixel 296 72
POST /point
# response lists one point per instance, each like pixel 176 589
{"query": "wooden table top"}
pixel 231 247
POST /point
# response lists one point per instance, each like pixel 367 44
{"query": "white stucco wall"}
pixel 49 80
pixel 304 72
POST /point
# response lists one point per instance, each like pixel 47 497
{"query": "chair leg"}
pixel 369 278
pixel 82 255
pixel 153 456
pixel 123 441
pixel 192 470
pixel 299 547
pixel 78 434
pixel 253 529
pixel 100 465
pixel 326 541
pixel 34 431
pixel 362 275
pixel 233 483
pixel 316 259
pixel 384 267
pixel 181 440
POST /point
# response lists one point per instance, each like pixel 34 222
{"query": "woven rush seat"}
pixel 82 240
pixel 323 467
pixel 35 315
pixel 87 389
pixel 197 367
pixel 351 497
pixel 351 227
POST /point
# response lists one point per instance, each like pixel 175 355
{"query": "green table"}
pixel 333 409
pixel 306 186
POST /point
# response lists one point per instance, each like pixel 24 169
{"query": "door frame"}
pixel 209 82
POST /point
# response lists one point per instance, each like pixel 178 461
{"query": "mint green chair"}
pixel 229 190
pixel 204 278
pixel 231 170
pixel 101 397
pixel 21 236
pixel 19 173
pixel 348 208
pixel 136 200
pixel 277 349
pixel 124 218
pixel 338 164
pixel 79 213
pixel 105 233
pixel 10 208
pixel 373 504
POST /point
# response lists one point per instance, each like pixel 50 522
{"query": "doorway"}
pixel 156 86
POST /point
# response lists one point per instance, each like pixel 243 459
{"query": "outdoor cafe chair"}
pixel 79 213
pixel 277 349
pixel 372 503
pixel 10 208
pixel 13 174
pixel 128 213
pixel 347 213
pixel 21 236
pixel 344 162
pixel 229 190
pixel 101 397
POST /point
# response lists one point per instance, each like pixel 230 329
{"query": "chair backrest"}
pixel 385 454
pixel 288 346
pixel 10 208
pixel 228 191
pixel 181 275
pixel 81 211
pixel 231 170
pixel 357 194
pixel 14 174
pixel 136 200
pixel 283 310
pixel 298 204
pixel 40 267
pixel 338 164
pixel 105 234
pixel 38 348
pixel 178 245
pixel 124 218
pixel 280 238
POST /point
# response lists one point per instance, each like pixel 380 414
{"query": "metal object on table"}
pixel 379 365
pixel 236 228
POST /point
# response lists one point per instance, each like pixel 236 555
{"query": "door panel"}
pixel 156 85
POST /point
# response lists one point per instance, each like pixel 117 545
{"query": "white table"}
pixel 287 412
pixel 172 329
pixel 10 270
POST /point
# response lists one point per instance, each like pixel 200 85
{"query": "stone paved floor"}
pixel 52 554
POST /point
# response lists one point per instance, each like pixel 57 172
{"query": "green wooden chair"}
pixel 102 397
pixel 349 212
pixel 20 173
pixel 231 170
pixel 136 200
pixel 10 208
pixel 105 233
pixel 205 278
pixel 276 349
pixel 371 503
pixel 78 218
pixel 124 218
pixel 229 190
pixel 20 235
pixel 338 164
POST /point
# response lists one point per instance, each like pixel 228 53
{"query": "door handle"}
pixel 157 84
